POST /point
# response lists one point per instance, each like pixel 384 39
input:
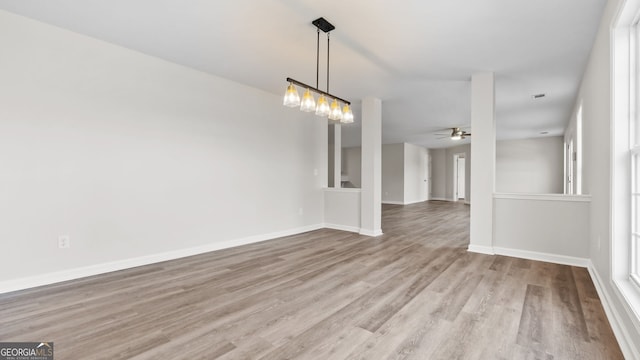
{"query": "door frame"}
pixel 456 158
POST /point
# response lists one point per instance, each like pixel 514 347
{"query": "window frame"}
pixel 634 148
pixel 625 91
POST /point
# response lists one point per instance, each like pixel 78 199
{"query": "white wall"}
pixel 415 173
pixel 131 155
pixel 404 171
pixel 393 173
pixel 438 174
pixel 352 164
pixel 449 165
pixel 442 166
pixel 530 166
pixel 595 95
pixel 522 166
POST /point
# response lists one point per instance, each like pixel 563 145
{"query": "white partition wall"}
pixel 543 227
pixel 371 209
pixel 342 209
pixel 483 165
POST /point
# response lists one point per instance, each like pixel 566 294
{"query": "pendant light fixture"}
pixel 322 109
pixel 328 104
pixel 308 103
pixel 291 97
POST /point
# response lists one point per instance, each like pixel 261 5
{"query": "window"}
pixel 634 151
pixel 573 155
pixel 577 157
pixel 634 246
pixel 625 146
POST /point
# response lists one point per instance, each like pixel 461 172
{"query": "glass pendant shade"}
pixel 335 113
pixel 308 102
pixel 291 97
pixel 347 115
pixel 322 108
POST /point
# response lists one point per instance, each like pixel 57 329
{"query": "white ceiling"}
pixel 416 55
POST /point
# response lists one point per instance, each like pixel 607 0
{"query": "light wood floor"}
pixel 413 293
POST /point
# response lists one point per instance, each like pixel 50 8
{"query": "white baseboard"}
pixel 373 233
pixel 85 271
pixel 625 340
pixel 488 250
pixel 539 256
pixel 354 229
pixel 403 203
pixel 393 202
pixel 440 199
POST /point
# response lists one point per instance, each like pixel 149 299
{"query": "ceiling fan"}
pixel 456 134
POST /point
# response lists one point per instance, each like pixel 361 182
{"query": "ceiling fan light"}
pixel 322 107
pixel 456 137
pixel 291 97
pixel 335 113
pixel 347 115
pixel 308 103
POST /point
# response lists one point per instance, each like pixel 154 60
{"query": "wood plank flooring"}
pixel 413 293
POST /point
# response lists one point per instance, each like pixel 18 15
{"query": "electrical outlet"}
pixel 64 242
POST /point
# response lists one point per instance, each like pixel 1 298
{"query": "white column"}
pixel 371 193
pixel 337 155
pixel 483 153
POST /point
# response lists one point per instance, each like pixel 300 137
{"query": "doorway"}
pixel 429 186
pixel 459 184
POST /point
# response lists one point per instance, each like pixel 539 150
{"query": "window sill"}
pixel 629 294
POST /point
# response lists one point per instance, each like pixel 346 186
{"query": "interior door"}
pixel 461 178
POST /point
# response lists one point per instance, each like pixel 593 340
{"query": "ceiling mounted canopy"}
pixel 328 104
pixel 457 134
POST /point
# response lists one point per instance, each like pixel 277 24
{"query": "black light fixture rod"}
pixel 318 59
pixel 301 84
pixel 328 62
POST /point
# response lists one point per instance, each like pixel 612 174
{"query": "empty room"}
pixel 290 179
